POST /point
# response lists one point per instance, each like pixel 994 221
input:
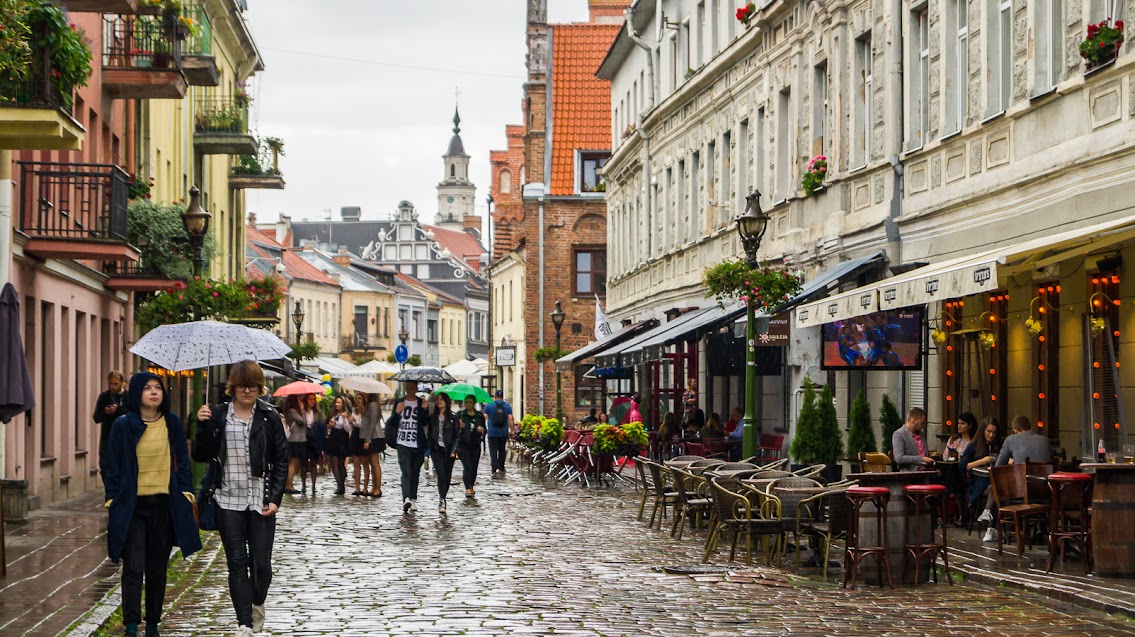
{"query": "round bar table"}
pixel 1113 517
pixel 896 510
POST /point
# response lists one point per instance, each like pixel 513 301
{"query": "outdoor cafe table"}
pixel 895 514
pixel 1113 518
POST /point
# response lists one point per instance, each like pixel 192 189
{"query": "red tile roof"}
pixel 298 268
pixel 295 267
pixel 461 244
pixel 259 236
pixel 581 102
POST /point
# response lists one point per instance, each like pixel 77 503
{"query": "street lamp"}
pixel 558 322
pixel 297 318
pixel 196 220
pixel 751 226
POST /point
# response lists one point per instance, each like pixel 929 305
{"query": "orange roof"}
pixel 298 268
pixel 461 244
pixel 581 102
pixel 259 236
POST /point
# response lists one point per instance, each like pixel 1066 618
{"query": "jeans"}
pixel 496 453
pixel 470 458
pixel 148 543
pixel 247 537
pixel 443 465
pixel 410 462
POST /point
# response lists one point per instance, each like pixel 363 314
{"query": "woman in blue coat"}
pixel 149 497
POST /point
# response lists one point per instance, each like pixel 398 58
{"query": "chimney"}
pixel 350 213
pixel 607 11
pixel 472 222
pixel 342 259
pixel 252 219
pixel 283 228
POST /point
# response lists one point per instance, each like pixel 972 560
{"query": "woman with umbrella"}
pixel 469 446
pixel 442 434
pixel 316 439
pixel 297 440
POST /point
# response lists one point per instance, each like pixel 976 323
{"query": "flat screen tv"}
pixel 888 340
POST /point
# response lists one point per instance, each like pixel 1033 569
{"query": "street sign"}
pixel 506 356
pixel 401 354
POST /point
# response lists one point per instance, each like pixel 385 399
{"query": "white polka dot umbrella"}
pixel 183 346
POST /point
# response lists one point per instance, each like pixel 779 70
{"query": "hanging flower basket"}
pixel 813 179
pixel 1102 44
pixel 747 13
pixel 760 286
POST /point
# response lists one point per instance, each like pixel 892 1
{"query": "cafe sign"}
pixel 838 308
pixel 505 356
pixel 973 278
pixel 774 331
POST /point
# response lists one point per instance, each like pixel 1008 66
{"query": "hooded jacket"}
pixel 121 478
pixel 267 448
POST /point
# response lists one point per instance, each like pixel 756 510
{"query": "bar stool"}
pixel 853 552
pixel 917 497
pixel 1069 520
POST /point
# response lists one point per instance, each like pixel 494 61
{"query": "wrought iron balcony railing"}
pixel 141 42
pixel 73 201
pixel 200 43
pixel 221 115
pixel 362 342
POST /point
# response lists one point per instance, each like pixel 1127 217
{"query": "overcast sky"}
pixel 362 93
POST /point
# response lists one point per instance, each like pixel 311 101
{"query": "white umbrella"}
pixel 378 367
pixel 183 346
pixel 365 385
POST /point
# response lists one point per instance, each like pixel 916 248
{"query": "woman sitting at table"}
pixel 713 428
pixel 982 454
pixel 694 423
pixel 960 441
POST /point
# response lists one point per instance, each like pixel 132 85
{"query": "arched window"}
pixel 506 181
pixel 453 170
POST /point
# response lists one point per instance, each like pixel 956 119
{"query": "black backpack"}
pixel 500 418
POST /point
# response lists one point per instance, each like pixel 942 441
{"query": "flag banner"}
pixel 602 328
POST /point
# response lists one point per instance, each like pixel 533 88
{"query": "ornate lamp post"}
pixel 196 220
pixel 297 318
pixel 751 226
pixel 558 316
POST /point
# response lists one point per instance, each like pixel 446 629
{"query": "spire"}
pixel 456 146
pixel 456 121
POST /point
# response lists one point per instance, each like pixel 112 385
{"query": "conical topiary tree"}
pixel 890 419
pixel 831 438
pixel 807 444
pixel 860 433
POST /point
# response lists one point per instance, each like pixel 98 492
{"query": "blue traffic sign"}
pixel 401 354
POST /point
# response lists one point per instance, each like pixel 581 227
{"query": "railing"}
pixel 141 42
pixel 221 115
pixel 361 341
pixel 73 201
pixel 38 89
pixel 137 270
pixel 202 42
pixel 265 162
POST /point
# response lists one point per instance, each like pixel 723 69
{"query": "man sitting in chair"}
pixel 1025 445
pixel 907 443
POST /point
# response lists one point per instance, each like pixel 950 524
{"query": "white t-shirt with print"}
pixel 408 427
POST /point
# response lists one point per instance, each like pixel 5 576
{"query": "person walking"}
pixel 297 440
pixel 108 407
pixel 443 436
pixel 361 434
pixel 498 414
pixel 149 498
pixel 247 451
pixel 373 414
pixel 316 441
pixel 339 442
pixel 406 432
pixel 470 435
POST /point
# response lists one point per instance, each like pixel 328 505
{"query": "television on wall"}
pixel 886 340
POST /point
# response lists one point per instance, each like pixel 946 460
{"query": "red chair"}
pixel 695 449
pixel 771 448
pixel 716 449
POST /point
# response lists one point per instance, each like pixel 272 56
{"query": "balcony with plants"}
pixel 158 232
pixel 197 61
pixel 103 6
pixel 221 125
pixel 260 171
pixel 142 57
pixel 43 59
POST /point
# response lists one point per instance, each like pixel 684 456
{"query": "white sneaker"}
pixel 413 506
pixel 990 535
pixel 257 618
pixel 441 507
pixel 407 505
pixel 986 517
pixel 244 631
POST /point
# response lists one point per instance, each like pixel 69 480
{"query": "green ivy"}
pixel 761 286
pixel 545 354
pixel 70 52
pixel 158 232
pixel 15 51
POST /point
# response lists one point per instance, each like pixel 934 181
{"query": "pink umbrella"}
pixel 299 388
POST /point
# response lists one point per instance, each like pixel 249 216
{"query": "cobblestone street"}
pixel 540 559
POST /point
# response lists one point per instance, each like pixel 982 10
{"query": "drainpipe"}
pixel 894 239
pixel 541 295
pixel 648 46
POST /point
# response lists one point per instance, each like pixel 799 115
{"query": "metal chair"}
pixel 689 503
pixel 737 514
pixel 823 516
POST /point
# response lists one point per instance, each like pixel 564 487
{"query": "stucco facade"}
pixel 508 278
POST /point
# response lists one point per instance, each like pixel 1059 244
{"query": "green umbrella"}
pixel 458 392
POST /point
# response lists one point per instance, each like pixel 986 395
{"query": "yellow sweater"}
pixel 153 459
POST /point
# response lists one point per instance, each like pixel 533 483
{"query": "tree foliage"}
pixel 806 447
pixel 860 435
pixel 831 438
pixel 890 419
pixel 158 232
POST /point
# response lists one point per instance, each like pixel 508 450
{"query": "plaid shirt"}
pixel 239 491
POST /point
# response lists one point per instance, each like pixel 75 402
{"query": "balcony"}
pixel 74 211
pixel 142 58
pixel 221 127
pixel 102 6
pixel 34 115
pixel 260 171
pixel 135 277
pixel 362 343
pixel 197 61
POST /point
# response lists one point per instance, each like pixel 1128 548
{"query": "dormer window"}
pixel 590 164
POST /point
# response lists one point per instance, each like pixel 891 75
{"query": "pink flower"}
pixel 216 293
pixel 745 298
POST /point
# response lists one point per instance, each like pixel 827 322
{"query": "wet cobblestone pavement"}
pixel 532 558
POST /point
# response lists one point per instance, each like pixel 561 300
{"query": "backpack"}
pixel 500 418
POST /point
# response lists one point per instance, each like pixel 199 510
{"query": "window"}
pixel 999 56
pixel 416 326
pixel 701 34
pixel 687 58
pixel 590 273
pixel 920 78
pixel 726 179
pixel 667 211
pixel 861 132
pixel 695 197
pixel 714 22
pixel 1048 17
pixel 589 165
pixel 819 108
pixel 431 330
pixel 957 67
pixel 453 170
pixel 405 252
pixel 680 206
pixel 510 300
pixel 423 271
pixel 711 176
pixel 784 155
pixel 360 324
pixel 742 169
pixel 759 156
pixel 506 182
pixel 588 391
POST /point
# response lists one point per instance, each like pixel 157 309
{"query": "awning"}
pixel 832 277
pixel 591 349
pixel 336 367
pixel 620 356
pixel 972 274
pixel 706 321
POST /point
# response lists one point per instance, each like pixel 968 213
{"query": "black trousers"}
pixel 146 556
pixel 410 462
pixel 247 537
pixel 470 458
pixel 443 465
pixel 496 453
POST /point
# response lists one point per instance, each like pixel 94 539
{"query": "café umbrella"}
pixel 16 393
pixel 199 344
pixel 299 388
pixel 365 385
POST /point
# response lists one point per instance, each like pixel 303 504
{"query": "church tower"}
pixel 455 194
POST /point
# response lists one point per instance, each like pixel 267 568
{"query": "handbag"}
pixel 192 503
pixel 207 502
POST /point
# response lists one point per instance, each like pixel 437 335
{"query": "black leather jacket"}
pixel 450 427
pixel 267 448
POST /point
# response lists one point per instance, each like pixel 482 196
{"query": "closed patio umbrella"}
pixel 16 393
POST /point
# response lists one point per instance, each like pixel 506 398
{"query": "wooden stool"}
pixel 1068 518
pixel 854 553
pixel 916 500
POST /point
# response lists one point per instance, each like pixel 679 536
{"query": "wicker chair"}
pixel 871 462
pixel 690 505
pixel 790 500
pixel 763 463
pixel 737 514
pixel 810 471
pixel 823 516
pixel 664 495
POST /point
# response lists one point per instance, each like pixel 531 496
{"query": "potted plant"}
pixel 276 145
pixel 806 447
pixel 761 286
pixel 163 55
pixel 187 27
pixel 1101 46
pixel 831 438
pixel 813 179
pixel 628 131
pixel 242 98
pixel 890 419
pixel 746 13
pixel 860 434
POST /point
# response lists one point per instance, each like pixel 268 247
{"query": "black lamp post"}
pixel 558 322
pixel 751 226
pixel 404 336
pixel 196 220
pixel 297 318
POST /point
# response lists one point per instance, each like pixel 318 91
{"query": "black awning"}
pixel 621 356
pixel 595 347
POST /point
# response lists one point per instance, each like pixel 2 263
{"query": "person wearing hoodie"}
pixel 149 498
pixel 442 433
pixel 246 448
